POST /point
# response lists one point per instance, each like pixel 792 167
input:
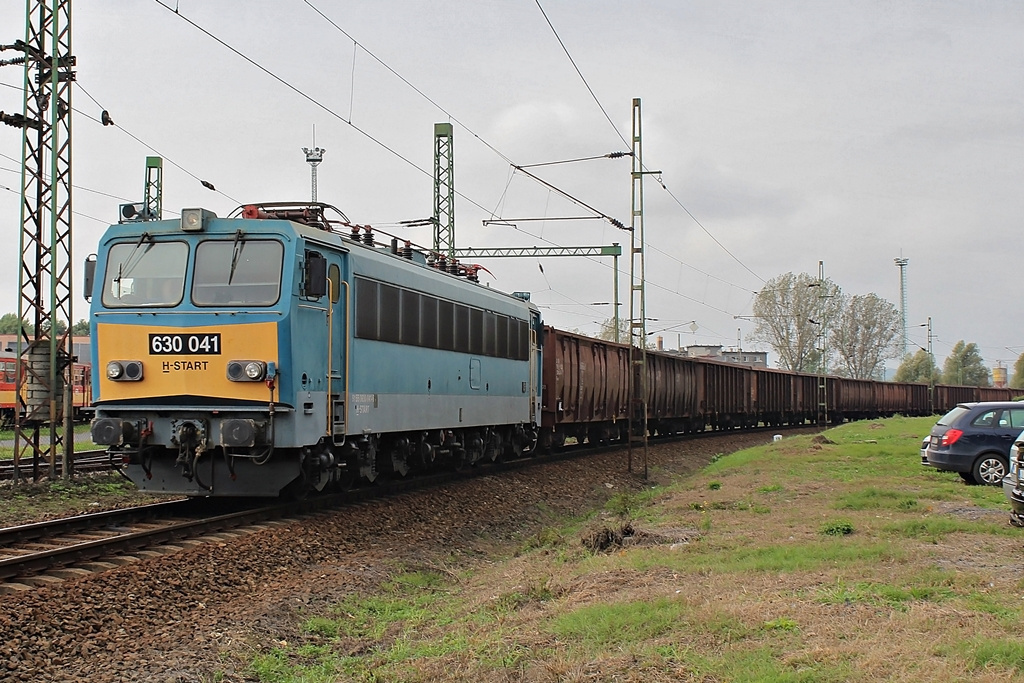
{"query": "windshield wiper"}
pixel 125 267
pixel 236 251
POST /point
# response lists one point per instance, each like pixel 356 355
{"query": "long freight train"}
pixel 280 351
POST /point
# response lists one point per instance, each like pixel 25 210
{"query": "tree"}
pixel 9 324
pixel 965 366
pixel 1017 382
pixel 62 326
pixel 80 329
pixel 607 331
pixel 865 335
pixel 918 368
pixel 791 313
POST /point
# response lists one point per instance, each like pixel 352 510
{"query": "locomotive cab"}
pixel 187 319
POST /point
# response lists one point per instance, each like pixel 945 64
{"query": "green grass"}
pixel 760 665
pixel 604 626
pixel 885 595
pixel 872 498
pixel 732 558
pixel 837 527
pixel 983 654
pixel 933 529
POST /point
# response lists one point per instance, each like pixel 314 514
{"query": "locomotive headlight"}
pixel 254 370
pixel 124 370
pixel 246 370
pixel 114 370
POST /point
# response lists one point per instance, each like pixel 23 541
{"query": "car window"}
pixel 986 419
pixel 1014 417
pixel 952 415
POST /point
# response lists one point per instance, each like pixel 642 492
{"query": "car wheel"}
pixel 990 469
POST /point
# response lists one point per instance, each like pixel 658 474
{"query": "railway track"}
pixel 43 552
pixel 37 554
pixel 85 461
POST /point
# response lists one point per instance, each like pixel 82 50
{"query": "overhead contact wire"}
pixel 310 98
pixel 618 133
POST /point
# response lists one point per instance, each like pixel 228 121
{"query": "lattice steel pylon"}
pixel 154 192
pixel 44 277
pixel 901 263
pixel 444 190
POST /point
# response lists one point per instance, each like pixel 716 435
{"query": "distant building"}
pixel 9 342
pixel 715 352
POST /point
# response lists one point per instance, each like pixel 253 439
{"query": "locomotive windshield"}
pixel 239 272
pixel 145 273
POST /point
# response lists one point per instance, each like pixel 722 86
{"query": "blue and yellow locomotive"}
pixel 274 352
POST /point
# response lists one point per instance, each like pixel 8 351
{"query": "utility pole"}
pixel 637 424
pixel 901 263
pixel 931 370
pixel 314 155
pixel 822 348
pixel 43 386
pixel 444 190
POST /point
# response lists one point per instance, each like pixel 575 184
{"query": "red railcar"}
pixel 728 394
pixel 585 387
pixel 81 385
pixel 947 396
pixel 673 394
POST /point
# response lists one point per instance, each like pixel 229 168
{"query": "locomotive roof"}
pixel 333 239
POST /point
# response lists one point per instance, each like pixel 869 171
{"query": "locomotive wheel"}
pixel 460 460
pixel 348 477
pixel 494 451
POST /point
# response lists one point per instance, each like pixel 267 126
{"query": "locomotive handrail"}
pixel 348 347
pixel 330 358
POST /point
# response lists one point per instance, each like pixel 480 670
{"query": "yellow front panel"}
pixel 185 373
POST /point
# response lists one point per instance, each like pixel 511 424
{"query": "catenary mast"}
pixel 44 275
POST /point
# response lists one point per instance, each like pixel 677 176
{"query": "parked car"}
pixel 974 439
pixel 1013 486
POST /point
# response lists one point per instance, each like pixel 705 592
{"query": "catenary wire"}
pixel 617 132
pixel 505 157
pixel 184 170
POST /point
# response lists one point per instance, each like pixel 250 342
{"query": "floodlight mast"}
pixel 901 263
pixel 314 155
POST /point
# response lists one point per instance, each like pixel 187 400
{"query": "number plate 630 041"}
pixel 194 344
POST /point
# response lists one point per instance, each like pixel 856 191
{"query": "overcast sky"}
pixel 786 133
